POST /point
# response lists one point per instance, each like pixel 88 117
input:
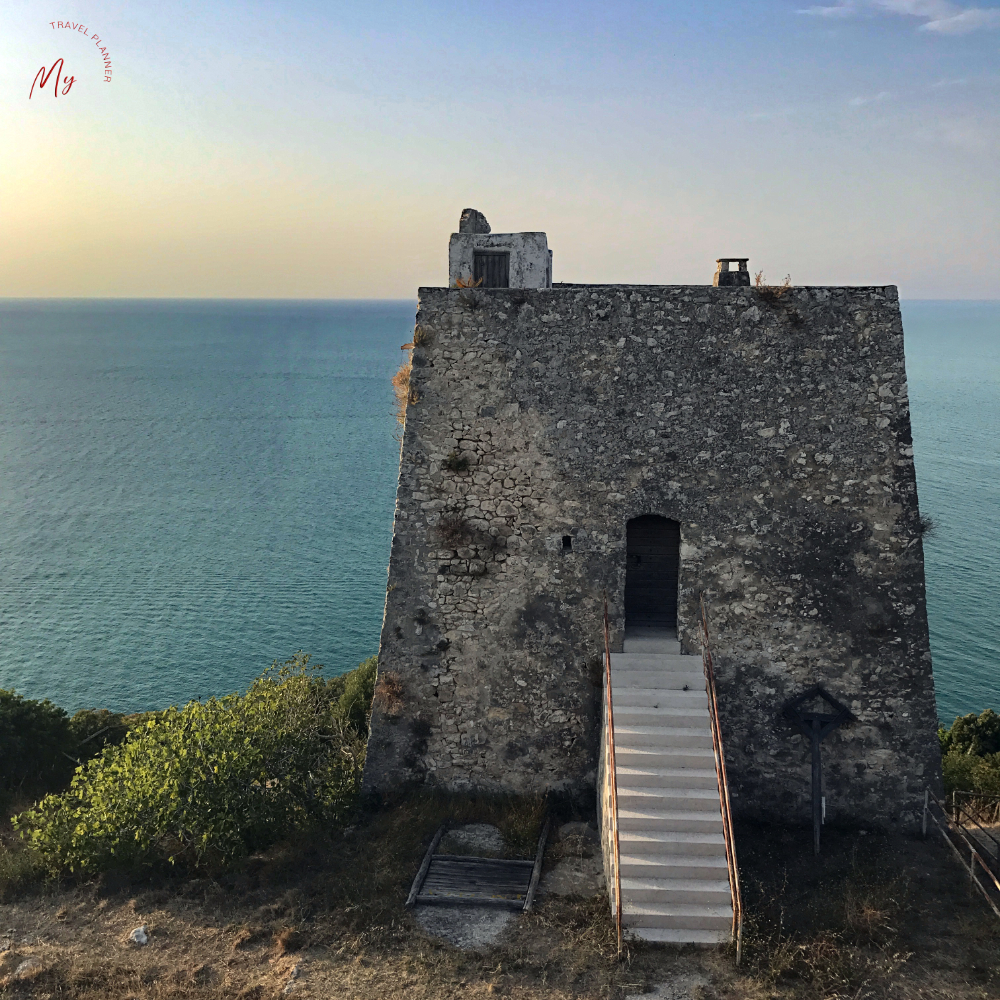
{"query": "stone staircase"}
pixel 674 876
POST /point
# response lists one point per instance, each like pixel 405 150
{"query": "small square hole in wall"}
pixel 567 543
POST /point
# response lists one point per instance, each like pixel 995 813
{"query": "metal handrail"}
pixel 961 811
pixel 975 797
pixel 613 773
pixel 973 853
pixel 723 783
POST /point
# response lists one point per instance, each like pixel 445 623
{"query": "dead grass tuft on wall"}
pixel 401 388
pixel 772 294
pixel 389 692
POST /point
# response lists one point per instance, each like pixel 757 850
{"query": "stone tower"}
pixel 751 445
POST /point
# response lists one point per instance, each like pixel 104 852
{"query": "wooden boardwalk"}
pixel 463 880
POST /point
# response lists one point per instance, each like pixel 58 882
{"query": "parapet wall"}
pixel 775 430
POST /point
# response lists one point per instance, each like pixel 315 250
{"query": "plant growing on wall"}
pixel 456 462
pixel 401 388
pixel 772 294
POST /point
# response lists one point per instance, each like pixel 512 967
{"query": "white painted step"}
pixel 679 916
pixel 682 716
pixel 671 842
pixel 673 935
pixel 674 777
pixel 646 797
pixel 654 661
pixel 663 758
pixel 686 820
pixel 628 734
pixel 673 866
pixel 712 892
pixel 660 698
pixel 660 680
pixel 651 638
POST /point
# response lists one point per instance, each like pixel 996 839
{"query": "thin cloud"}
pixel 839 10
pixel 961 81
pixel 858 102
pixel 942 17
pixel 964 22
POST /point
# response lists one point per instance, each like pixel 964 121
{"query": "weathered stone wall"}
pixel 776 431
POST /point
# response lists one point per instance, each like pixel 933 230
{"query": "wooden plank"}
pixel 536 869
pixel 472 859
pixel 507 904
pixel 424 867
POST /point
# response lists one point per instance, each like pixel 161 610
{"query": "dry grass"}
pixel 876 917
pixel 389 691
pixel 772 293
pixel 401 388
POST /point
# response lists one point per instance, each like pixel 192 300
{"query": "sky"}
pixel 323 150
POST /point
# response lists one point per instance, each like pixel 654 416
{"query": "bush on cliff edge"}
pixel 209 782
pixel 970 751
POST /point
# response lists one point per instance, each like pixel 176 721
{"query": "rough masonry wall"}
pixel 774 429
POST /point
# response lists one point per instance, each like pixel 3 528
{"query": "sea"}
pixel 193 489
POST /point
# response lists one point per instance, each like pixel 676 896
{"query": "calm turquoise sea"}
pixel 191 489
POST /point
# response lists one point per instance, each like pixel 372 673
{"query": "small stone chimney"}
pixel 724 278
pixel 473 222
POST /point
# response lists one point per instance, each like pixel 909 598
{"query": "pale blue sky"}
pixel 318 149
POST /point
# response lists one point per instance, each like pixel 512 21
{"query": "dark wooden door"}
pixel 653 549
pixel 493 267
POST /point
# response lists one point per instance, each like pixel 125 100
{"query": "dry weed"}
pixel 287 940
pixel 389 693
pixel 772 294
pixel 401 388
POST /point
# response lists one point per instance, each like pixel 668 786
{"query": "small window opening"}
pixel 567 543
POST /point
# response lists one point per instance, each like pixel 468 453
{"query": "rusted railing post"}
pixel 613 772
pixel 723 783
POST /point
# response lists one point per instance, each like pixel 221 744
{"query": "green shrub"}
pixel 355 703
pixel 40 746
pixel 93 729
pixel 972 734
pixel 214 780
pixel 35 740
pixel 965 772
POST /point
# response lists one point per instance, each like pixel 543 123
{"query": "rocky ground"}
pixel 876 916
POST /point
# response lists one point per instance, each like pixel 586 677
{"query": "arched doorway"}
pixel 653 547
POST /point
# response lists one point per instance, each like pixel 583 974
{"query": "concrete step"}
pixel 669 842
pixel 664 866
pixel 627 734
pixel 672 777
pixel 678 916
pixel 651 637
pixel 651 798
pixel 659 680
pixel 687 820
pixel 655 661
pixel 708 892
pixel 682 716
pixel 628 754
pixel 672 935
pixel 638 697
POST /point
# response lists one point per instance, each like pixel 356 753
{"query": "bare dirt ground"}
pixel 876 916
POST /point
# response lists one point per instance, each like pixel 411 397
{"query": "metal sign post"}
pixel 816 726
